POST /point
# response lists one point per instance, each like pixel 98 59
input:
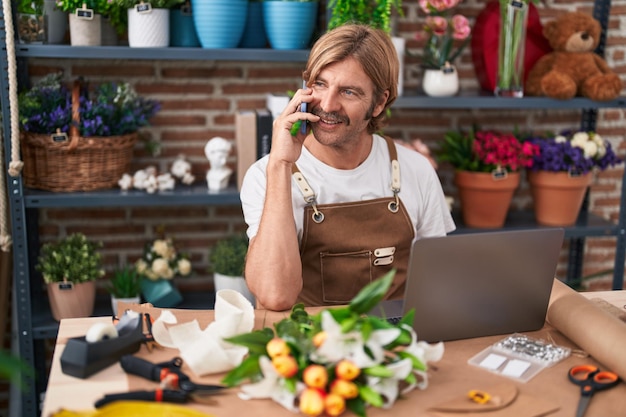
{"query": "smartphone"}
pixel 304 108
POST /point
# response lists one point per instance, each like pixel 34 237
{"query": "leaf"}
pixel 378 370
pixel 248 369
pixel 417 364
pixel 255 341
pixel 357 406
pixel 370 396
pixel 372 293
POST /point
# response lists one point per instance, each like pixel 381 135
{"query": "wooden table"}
pixel 450 377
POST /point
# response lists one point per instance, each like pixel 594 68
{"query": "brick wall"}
pixel 200 100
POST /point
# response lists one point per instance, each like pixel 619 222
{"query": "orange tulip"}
pixel 347 370
pixel 277 347
pixel 334 405
pixel 285 366
pixel 319 338
pixel 315 376
pixel 346 389
pixel 312 402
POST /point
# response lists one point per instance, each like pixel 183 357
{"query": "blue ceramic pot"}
pixel 254 32
pixel 219 23
pixel 289 24
pixel 160 293
pixel 182 29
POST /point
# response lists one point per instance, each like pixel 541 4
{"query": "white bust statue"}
pixel 217 150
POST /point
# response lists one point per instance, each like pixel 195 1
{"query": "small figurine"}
pixel 216 151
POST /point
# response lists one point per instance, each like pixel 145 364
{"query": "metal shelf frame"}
pixel 33 326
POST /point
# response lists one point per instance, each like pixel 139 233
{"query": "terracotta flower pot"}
pixel 71 300
pixel 485 197
pixel 557 196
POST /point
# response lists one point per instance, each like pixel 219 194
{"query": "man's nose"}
pixel 329 101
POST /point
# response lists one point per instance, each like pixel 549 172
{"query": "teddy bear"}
pixel 573 68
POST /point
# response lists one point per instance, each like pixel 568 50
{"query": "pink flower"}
pixel 437 25
pixel 461 27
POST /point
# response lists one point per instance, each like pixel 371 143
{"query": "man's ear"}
pixel 380 105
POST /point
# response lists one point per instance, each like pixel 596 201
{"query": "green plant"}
pixel 228 257
pixel 116 15
pixel 376 13
pixel 156 4
pixel 73 259
pixel 30 6
pixel 125 283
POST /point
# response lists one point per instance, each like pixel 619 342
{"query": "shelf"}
pixel 45 327
pixel 484 100
pixel 181 195
pixel 587 225
pixel 179 54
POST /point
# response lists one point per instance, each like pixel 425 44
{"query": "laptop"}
pixel 479 284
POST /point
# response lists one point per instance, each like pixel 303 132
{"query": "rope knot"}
pixel 5 243
pixel 15 167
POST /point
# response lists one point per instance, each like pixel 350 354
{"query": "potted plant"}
pixel 487 172
pixel 228 259
pixel 31 23
pixel 124 286
pixel 148 22
pixel 157 267
pixel 441 33
pixel 562 171
pixel 100 135
pixel 376 13
pixel 86 20
pixel 70 268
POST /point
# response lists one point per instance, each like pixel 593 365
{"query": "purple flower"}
pixel 560 154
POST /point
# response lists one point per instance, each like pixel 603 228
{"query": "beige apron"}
pixel 345 246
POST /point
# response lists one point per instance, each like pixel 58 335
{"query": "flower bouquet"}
pixel 441 32
pixel 334 360
pixel 562 170
pixel 159 264
pixel 487 173
pixel 79 139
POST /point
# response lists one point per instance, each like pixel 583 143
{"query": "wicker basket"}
pixel 75 163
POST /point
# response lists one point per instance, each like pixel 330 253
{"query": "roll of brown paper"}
pixel 594 330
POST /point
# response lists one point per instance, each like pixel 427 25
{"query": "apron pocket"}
pixel 344 275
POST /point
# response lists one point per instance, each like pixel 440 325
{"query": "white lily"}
pixel 388 387
pixel 339 345
pixel 425 353
pixel 271 386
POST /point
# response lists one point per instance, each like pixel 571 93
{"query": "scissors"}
pixel 175 386
pixel 590 379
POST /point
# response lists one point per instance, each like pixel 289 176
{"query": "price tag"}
pixel 499 174
pixel 517 4
pixel 84 13
pixel 66 286
pixel 59 137
pixel 143 8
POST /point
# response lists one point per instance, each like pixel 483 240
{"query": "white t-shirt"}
pixel 420 188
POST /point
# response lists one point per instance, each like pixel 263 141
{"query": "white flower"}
pixel 180 167
pixel 271 386
pixel 165 182
pixel 164 248
pixel 126 182
pixel 188 179
pixel 139 179
pixel 560 139
pixel 388 387
pixel 579 139
pixel 590 149
pixel 184 266
pixel 339 345
pixel 424 352
pixel 162 269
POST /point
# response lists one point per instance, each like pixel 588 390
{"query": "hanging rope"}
pixel 15 166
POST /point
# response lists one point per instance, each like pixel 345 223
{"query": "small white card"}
pixel 515 368
pixel 492 361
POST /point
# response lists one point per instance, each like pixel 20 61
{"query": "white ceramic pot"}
pixel 400 45
pixel 223 282
pixel 443 82
pixel 149 29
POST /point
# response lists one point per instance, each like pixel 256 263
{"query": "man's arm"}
pixel 273 267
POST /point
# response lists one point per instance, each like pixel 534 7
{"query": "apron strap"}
pixel 309 194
